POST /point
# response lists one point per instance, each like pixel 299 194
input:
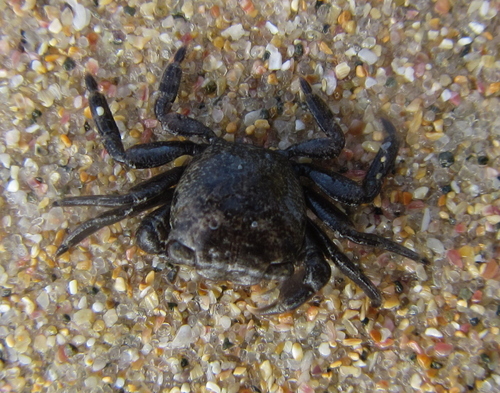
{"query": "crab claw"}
pixel 293 293
pixel 307 279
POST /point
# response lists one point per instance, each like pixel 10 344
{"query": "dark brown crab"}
pixel 238 212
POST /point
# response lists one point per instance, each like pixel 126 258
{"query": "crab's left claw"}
pixel 303 284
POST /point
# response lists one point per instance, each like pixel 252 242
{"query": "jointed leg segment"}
pixel 147 155
pixel 307 280
pixel 169 85
pixel 323 115
pixel 151 193
pixel 107 218
pixel 338 221
pixel 350 192
pixel 345 265
pixel 321 148
pixel 139 193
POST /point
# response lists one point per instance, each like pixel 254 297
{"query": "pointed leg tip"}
pixel 91 83
pixel 388 126
pixel 425 261
pixel 376 303
pixel 61 250
pixel 271 309
pixel 305 86
pixel 180 54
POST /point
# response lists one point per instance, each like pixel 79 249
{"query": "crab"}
pixel 238 212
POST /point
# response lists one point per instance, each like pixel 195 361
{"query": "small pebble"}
pixel 12 137
pixel 435 245
pixel 187 9
pixel 55 27
pixel 367 56
pixel 272 28
pixel 420 193
pixel 13 186
pixel 120 285
pixel 349 370
pixel 110 317
pixel 443 349
pixel 426 220
pixel 464 41
pixel 275 58
pixel 324 349
pixel 297 352
pixel 433 332
pixel 445 95
pixel 262 123
pixel 266 369
pixel 212 386
pixel 99 364
pixel 251 117
pixel 239 371
pixel 82 317
pixel 370 82
pixel 331 82
pixel 286 65
pixel 476 27
pixel 73 287
pixel 81 18
pixel 416 381
pixel 482 160
pixel 299 125
pixel 225 322
pixel 16 81
pixel 183 338
pixel 342 70
pixel 235 32
pixel 446 44
pixel 43 300
pixel 446 159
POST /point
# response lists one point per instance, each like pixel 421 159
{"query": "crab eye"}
pixel 180 253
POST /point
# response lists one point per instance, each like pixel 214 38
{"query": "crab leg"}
pixel 152 155
pixel 144 196
pixel 338 221
pixel 147 155
pixel 308 279
pixel 347 191
pixel 320 148
pixel 346 266
pixel 336 186
pixel 107 218
pixel 383 162
pixel 169 85
pixel 138 194
pixel 323 115
pixel 178 124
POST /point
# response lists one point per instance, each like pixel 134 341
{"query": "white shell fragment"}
pixel 342 70
pixel 81 17
pixel 367 56
pixel 235 32
pixel 275 58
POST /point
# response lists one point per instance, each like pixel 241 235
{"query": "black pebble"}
pixel 446 159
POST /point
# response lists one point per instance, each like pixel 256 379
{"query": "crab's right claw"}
pixel 307 280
